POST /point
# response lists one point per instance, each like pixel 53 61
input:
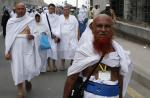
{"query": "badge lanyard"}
pixel 103 68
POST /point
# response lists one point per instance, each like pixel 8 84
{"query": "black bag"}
pixel 80 85
pixel 78 89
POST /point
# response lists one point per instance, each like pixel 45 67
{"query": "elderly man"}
pixel 69 36
pixel 19 44
pixel 112 75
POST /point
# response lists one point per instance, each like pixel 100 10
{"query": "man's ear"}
pixel 91 25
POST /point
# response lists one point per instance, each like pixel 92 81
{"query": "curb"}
pixel 141 79
pixel 134 30
pixel 138 76
pixel 131 37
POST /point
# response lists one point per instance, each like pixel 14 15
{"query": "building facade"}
pixel 137 11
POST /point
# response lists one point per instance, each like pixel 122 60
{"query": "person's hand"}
pixel 57 40
pixel 30 37
pixel 53 36
pixel 8 56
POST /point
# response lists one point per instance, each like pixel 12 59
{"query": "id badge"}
pixel 104 75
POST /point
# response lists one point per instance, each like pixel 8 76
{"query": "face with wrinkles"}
pixel 20 10
pixel 102 31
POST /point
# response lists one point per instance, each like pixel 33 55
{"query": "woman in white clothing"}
pixel 39 29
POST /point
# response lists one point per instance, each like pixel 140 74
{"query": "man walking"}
pixel 19 48
pixel 52 22
pixel 69 36
pixel 110 77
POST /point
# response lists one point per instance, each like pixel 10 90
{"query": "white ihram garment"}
pixel 25 61
pixel 69 33
pixel 55 27
pixel 86 56
pixel 112 60
pixel 82 14
pixel 39 28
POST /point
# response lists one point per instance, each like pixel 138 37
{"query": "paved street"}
pixel 50 84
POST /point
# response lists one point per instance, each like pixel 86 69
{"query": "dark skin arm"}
pixel 71 80
pixel 120 86
pixel 69 84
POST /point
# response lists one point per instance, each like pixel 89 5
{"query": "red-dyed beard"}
pixel 102 44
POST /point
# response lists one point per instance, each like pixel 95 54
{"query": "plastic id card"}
pixel 104 75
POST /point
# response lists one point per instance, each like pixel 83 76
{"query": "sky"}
pixel 72 2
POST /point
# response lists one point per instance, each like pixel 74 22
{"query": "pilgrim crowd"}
pixel 36 39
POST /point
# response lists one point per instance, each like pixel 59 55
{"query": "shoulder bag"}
pixel 80 85
pixel 44 42
pixel 52 35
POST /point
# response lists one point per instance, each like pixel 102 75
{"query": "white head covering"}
pixel 107 4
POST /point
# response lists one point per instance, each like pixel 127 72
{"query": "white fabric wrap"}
pixel 86 56
pixel 55 27
pixel 69 37
pixel 13 28
pixel 26 62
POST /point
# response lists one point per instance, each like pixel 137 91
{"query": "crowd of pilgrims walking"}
pixel 36 39
pixel 22 41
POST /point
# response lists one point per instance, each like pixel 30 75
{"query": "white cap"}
pixel 107 4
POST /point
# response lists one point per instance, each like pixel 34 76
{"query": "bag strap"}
pixel 49 25
pixel 94 69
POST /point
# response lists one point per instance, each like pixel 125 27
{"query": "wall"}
pixel 143 33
